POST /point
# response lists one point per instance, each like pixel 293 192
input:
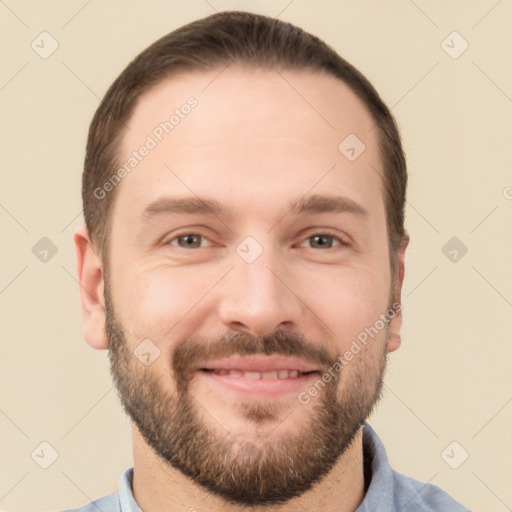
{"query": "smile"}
pixel 272 374
pixel 258 376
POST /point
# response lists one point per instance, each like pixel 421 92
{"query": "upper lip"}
pixel 259 363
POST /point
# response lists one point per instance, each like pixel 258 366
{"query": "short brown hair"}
pixel 216 41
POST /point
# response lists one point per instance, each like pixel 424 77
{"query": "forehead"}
pixel 247 134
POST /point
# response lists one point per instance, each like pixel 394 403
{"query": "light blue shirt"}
pixel 388 491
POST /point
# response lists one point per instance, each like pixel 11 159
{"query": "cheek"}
pixel 159 303
pixel 348 301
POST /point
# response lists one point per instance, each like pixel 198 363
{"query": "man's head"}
pixel 244 269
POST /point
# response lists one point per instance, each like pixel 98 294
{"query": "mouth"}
pixel 255 375
pixel 259 377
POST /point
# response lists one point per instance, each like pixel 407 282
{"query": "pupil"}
pixel 190 241
pixel 320 240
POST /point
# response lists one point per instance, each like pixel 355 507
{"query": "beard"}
pixel 180 429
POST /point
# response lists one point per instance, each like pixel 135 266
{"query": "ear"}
pixel 395 323
pixel 90 278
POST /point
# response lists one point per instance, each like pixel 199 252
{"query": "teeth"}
pixel 273 374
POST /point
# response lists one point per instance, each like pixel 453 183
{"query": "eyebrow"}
pixel 196 206
pixel 327 204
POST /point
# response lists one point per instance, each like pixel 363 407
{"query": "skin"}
pixel 255 144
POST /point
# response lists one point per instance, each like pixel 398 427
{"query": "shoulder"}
pixel 415 496
pixel 109 503
pixel 389 490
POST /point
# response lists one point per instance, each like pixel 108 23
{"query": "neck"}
pixel 157 487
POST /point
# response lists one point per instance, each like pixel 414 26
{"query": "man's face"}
pixel 249 305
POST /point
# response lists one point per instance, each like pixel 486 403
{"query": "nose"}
pixel 258 299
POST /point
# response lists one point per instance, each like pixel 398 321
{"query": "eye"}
pixel 316 241
pixel 188 241
pixel 323 241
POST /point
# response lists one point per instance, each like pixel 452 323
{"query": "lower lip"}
pixel 260 388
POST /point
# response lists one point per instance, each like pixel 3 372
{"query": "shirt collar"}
pixel 127 502
pixel 379 495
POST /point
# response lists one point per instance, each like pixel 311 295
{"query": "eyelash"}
pixel 342 243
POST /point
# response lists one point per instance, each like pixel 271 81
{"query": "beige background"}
pixel 450 381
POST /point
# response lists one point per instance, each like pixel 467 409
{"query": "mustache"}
pixel 196 351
